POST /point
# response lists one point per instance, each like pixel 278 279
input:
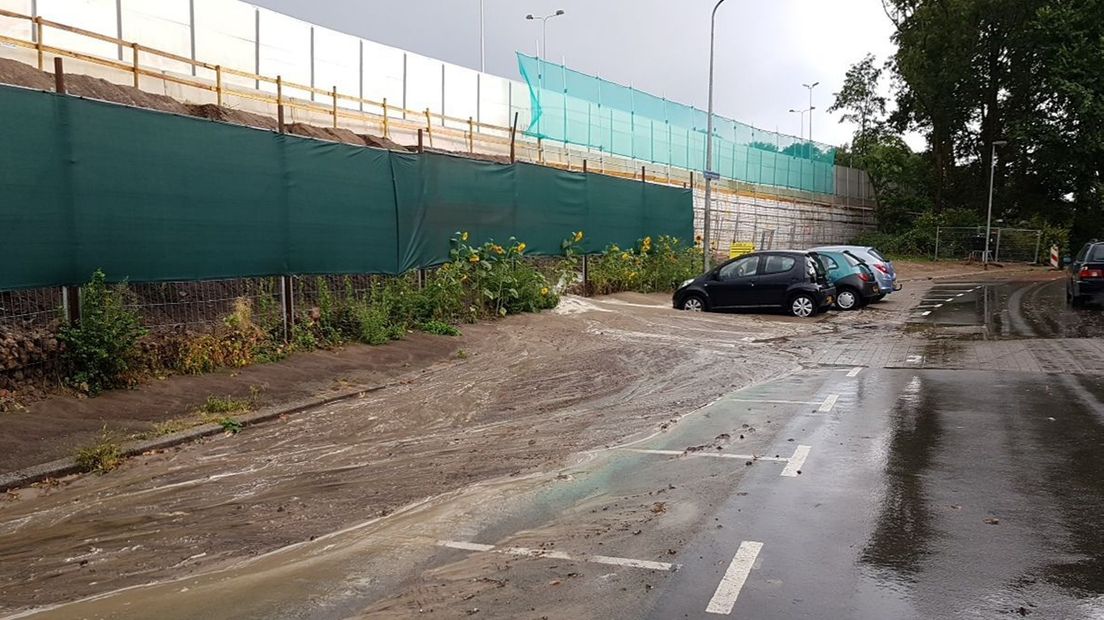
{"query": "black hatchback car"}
pixel 1085 281
pixel 790 280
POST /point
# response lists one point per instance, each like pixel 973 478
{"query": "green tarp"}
pixel 148 196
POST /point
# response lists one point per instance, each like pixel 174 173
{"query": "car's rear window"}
pixel 1097 254
pixel 876 255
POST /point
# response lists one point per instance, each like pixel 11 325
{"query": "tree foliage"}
pixel 967 73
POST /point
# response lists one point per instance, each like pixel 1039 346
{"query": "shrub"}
pixel 100 457
pixel 647 268
pixel 99 349
pixel 237 342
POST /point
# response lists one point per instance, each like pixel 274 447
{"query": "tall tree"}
pixel 860 100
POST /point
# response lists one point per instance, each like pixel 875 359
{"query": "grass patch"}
pixel 100 457
pixel 216 405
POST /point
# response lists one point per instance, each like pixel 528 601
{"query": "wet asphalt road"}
pixel 834 492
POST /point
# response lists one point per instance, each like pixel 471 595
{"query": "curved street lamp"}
pixel 544 29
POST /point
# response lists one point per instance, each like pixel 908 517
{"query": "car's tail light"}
pixel 864 276
pixel 882 268
pixel 1091 274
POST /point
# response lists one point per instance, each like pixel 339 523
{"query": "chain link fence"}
pixel 967 243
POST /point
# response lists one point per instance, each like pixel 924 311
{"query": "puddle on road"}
pixel 1010 311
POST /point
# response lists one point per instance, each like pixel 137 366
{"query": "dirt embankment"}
pixel 20 74
pixel 526 393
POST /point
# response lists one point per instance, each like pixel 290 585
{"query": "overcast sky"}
pixel 765 49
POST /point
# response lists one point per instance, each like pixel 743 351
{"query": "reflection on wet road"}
pixel 1004 310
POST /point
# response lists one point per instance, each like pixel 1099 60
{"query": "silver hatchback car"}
pixel 879 264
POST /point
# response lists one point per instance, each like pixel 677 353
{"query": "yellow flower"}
pixel 464 236
pixel 474 258
pixel 498 250
pixel 624 256
pixel 521 248
pixel 578 236
pixel 544 292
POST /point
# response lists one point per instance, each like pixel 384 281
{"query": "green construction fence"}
pixel 147 196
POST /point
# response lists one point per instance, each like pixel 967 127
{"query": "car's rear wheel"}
pixel 694 303
pixel 803 306
pixel 848 299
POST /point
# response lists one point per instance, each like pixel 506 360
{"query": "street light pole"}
pixel 802 113
pixel 709 145
pixel 989 216
pixel 482 41
pixel 544 30
pixel 811 107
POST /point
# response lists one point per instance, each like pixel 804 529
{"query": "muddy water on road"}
pixel 530 392
pixel 1023 309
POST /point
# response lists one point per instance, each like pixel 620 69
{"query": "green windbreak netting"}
pixel 147 196
pixel 581 109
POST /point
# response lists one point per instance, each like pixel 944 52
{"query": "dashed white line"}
pixel 926 313
pixel 558 555
pixel 716 455
pixel 854 372
pixel 796 461
pixel 772 402
pixel 724 599
pixel 828 403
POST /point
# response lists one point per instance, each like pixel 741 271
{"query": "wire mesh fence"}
pixel 197 306
pixel 1014 245
pixel 32 307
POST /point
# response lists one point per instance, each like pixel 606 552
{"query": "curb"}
pixel 960 275
pixel 67 466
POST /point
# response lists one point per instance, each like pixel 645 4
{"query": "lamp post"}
pixel 989 216
pixel 482 41
pixel 544 29
pixel 811 107
pixel 802 113
pixel 709 145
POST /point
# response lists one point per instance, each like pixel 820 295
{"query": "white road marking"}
pixel 828 403
pixel 716 455
pixel 855 371
pixel 914 359
pixel 773 402
pixel 926 313
pixel 558 555
pixel 796 461
pixel 724 599
pixel 466 546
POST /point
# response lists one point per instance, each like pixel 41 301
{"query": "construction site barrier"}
pixel 148 196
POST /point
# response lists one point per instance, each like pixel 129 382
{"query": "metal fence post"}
pixel 287 302
pixel 996 254
pixel 513 140
pixel 936 256
pixel 586 276
pixel 1038 244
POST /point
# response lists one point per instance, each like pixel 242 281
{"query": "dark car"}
pixel 791 280
pixel 853 278
pixel 1086 275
